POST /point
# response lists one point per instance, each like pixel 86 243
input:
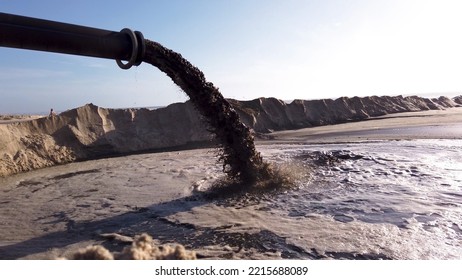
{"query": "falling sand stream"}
pixel 240 159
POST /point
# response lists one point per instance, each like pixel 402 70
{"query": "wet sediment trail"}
pixel 240 159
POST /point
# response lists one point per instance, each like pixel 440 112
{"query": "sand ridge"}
pixel 90 131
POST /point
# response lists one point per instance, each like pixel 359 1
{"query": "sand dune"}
pixel 270 114
pixel 90 131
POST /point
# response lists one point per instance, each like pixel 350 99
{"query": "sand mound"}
pixel 142 248
pixel 90 131
pixel 270 114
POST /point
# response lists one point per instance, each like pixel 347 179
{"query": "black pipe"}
pixel 51 36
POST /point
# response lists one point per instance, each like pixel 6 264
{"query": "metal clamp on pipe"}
pixel 50 36
pixel 138 49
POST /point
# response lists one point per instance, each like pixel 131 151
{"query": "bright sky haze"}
pixel 288 49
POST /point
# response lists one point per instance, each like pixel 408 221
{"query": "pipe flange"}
pixel 135 47
pixel 141 48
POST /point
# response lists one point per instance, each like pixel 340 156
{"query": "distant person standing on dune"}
pixel 52 113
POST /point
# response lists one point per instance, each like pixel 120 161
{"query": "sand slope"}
pixel 90 131
pixel 270 114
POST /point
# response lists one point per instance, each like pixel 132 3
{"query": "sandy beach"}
pixel 51 212
pixel 7 119
pixel 434 124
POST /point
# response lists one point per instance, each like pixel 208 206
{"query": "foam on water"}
pixel 378 200
pixel 370 200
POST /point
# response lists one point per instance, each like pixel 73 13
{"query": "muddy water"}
pixel 239 156
pixel 375 200
pixel 369 200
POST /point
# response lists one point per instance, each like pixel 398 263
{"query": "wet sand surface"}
pixel 360 196
pixel 441 124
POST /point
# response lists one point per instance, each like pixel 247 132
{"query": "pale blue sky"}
pixel 288 49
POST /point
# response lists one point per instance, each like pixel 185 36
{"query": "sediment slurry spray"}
pixel 240 159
